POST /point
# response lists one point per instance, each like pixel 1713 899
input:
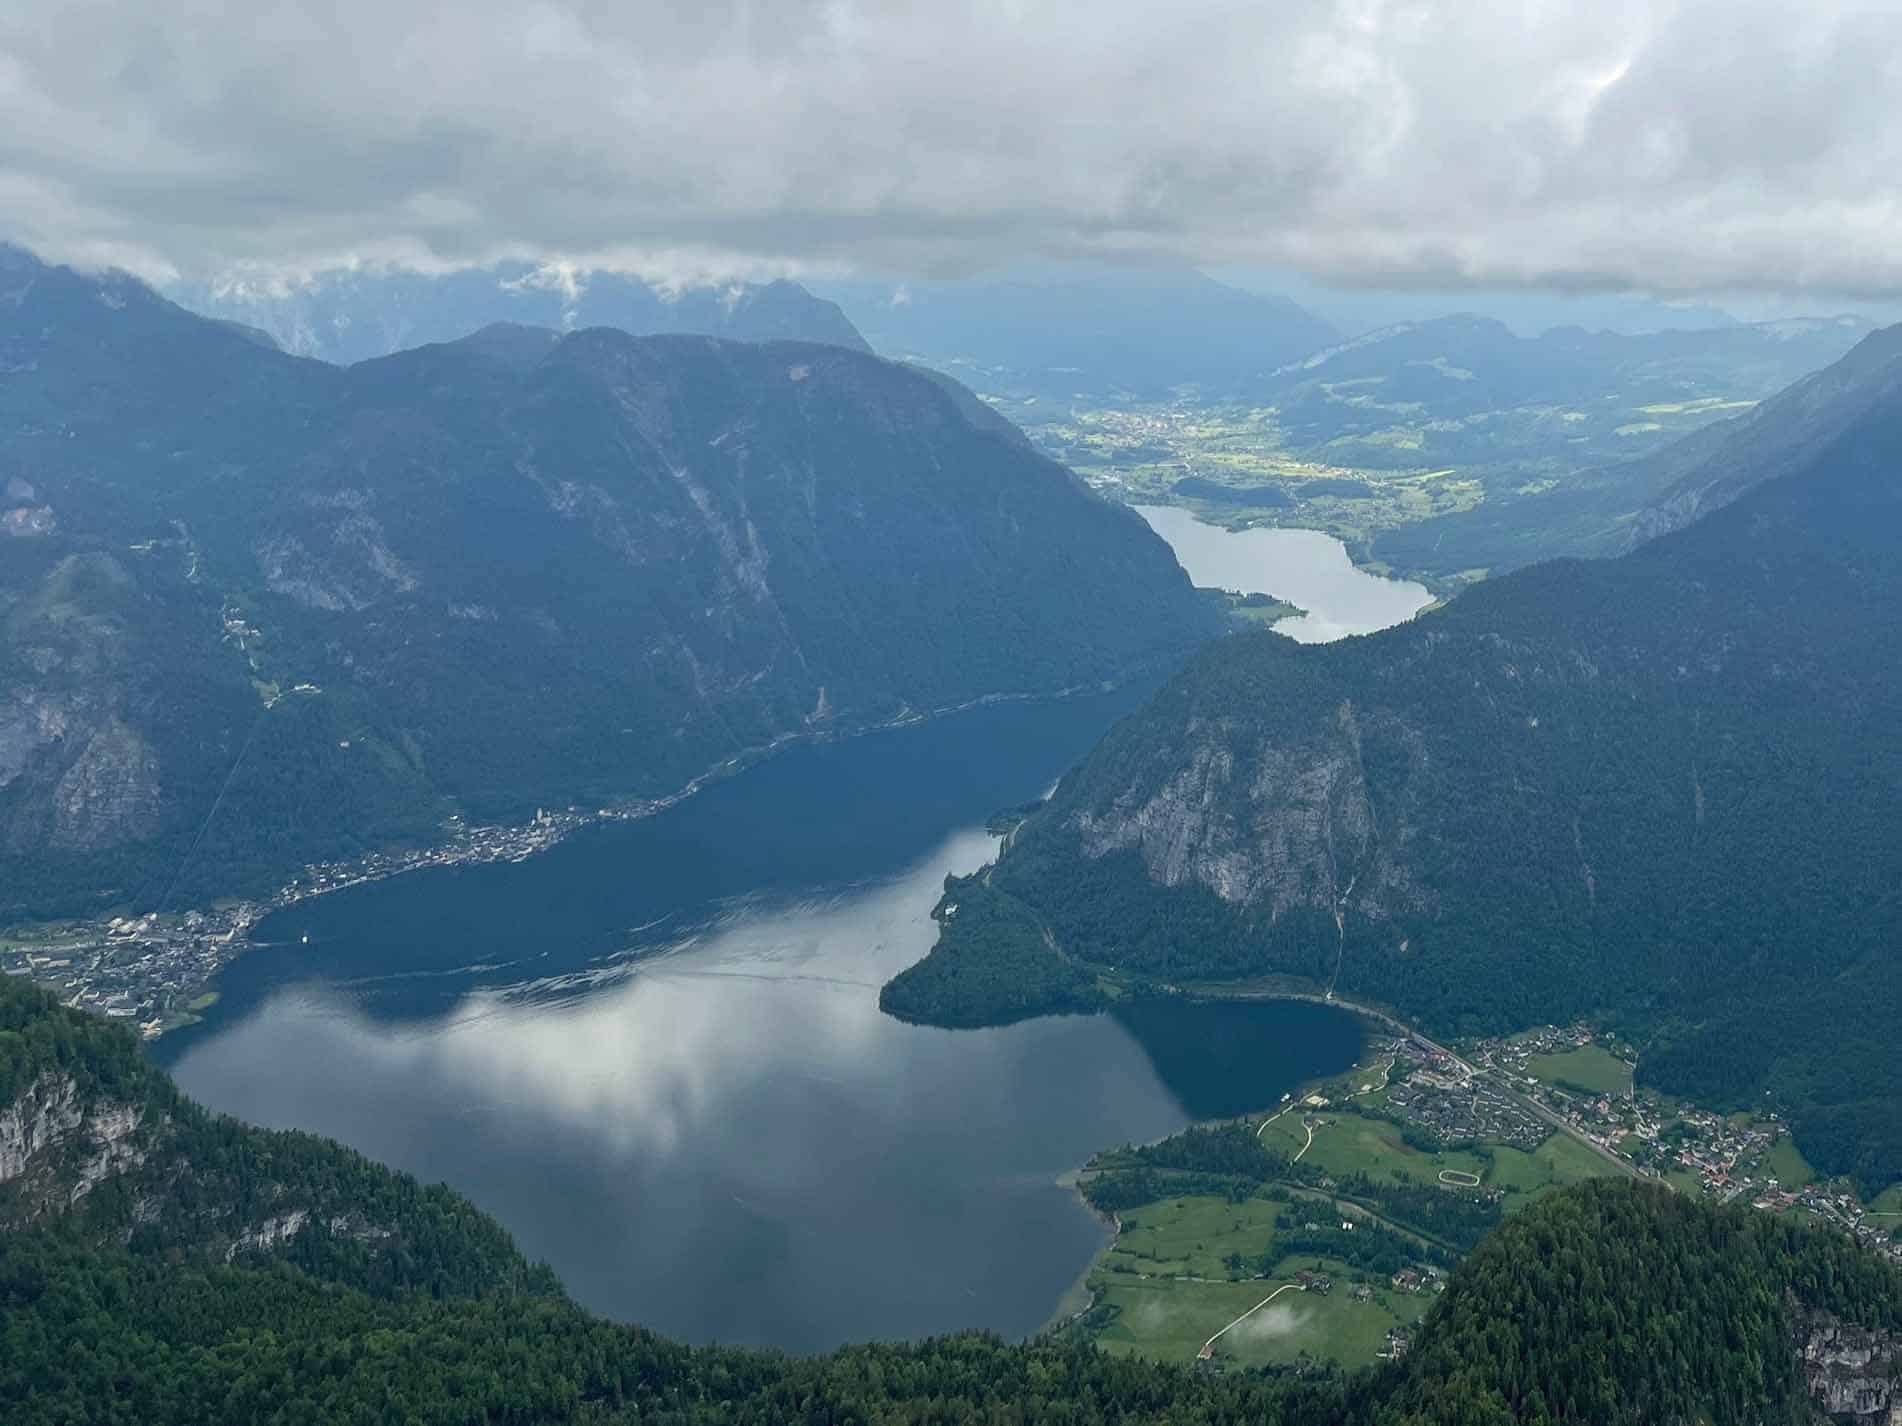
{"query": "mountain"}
pixel 1661 788
pixel 256 610
pixel 1559 426
pixel 351 316
pixel 1360 310
pixel 1729 459
pixel 1061 334
pixel 99 1144
pixel 1462 372
pixel 161 1265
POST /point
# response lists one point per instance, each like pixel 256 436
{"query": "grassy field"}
pixel 1346 1142
pixel 1164 1284
pixel 1560 1160
pixel 1785 1163
pixel 1589 1067
pixel 1189 1237
pixel 1169 1321
pixel 1888 1201
pixel 1685 1182
pixel 48 935
pixel 1142 451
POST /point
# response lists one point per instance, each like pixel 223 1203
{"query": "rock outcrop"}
pixel 1850 1372
pixel 56 1147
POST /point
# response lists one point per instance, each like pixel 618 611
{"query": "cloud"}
pixel 1268 1325
pixel 1687 146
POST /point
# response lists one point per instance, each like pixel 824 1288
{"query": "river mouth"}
pixel 1305 568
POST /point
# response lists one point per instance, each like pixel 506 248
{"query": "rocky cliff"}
pixel 57 1145
pixel 1852 1373
pixel 98 1144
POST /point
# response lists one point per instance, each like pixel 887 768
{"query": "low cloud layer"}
pixel 1673 147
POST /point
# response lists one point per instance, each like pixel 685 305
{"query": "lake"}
pixel 1301 567
pixel 655 1052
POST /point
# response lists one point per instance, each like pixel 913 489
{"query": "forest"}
pixel 1605 1303
pixel 1659 791
pixel 279 612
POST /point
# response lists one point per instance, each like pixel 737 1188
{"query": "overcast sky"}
pixel 1689 147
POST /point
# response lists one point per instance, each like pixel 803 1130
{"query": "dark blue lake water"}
pixel 656 1054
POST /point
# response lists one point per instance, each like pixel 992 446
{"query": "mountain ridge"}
pixel 348 317
pixel 332 605
pixel 1659 788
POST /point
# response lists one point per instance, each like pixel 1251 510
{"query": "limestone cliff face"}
pixel 1852 1373
pixel 110 793
pixel 56 1147
pixel 76 774
pixel 58 1144
pixel 1274 823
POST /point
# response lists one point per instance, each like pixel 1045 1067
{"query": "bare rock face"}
pixel 110 795
pixel 26 521
pixel 1309 837
pixel 58 1144
pixel 1851 1372
pixel 54 1149
pixel 271 1233
pixel 346 567
pixel 31 723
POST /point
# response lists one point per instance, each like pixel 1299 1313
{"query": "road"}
pixel 1471 1071
pixel 1208 1347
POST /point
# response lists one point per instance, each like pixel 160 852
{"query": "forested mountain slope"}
pixel 256 610
pixel 158 1265
pixel 1463 374
pixel 1666 787
pixel 346 317
pixel 1616 505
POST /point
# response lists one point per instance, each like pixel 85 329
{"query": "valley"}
pixel 1442 451
pixel 1350 1274
pixel 950 715
pixel 478 977
pixel 655 1036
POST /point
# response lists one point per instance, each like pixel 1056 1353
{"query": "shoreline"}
pixel 146 969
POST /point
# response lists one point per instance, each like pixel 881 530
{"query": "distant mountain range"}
pixel 1611 507
pixel 257 610
pixel 1665 788
pixel 1460 370
pixel 163 1265
pixel 351 316
pixel 1064 334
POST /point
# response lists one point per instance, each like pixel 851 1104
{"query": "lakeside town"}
pixel 156 970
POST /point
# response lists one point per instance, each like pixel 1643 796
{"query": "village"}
pixel 156 970
pixel 1582 1080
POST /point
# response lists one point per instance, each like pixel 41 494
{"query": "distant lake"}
pixel 655 1052
pixel 1301 567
